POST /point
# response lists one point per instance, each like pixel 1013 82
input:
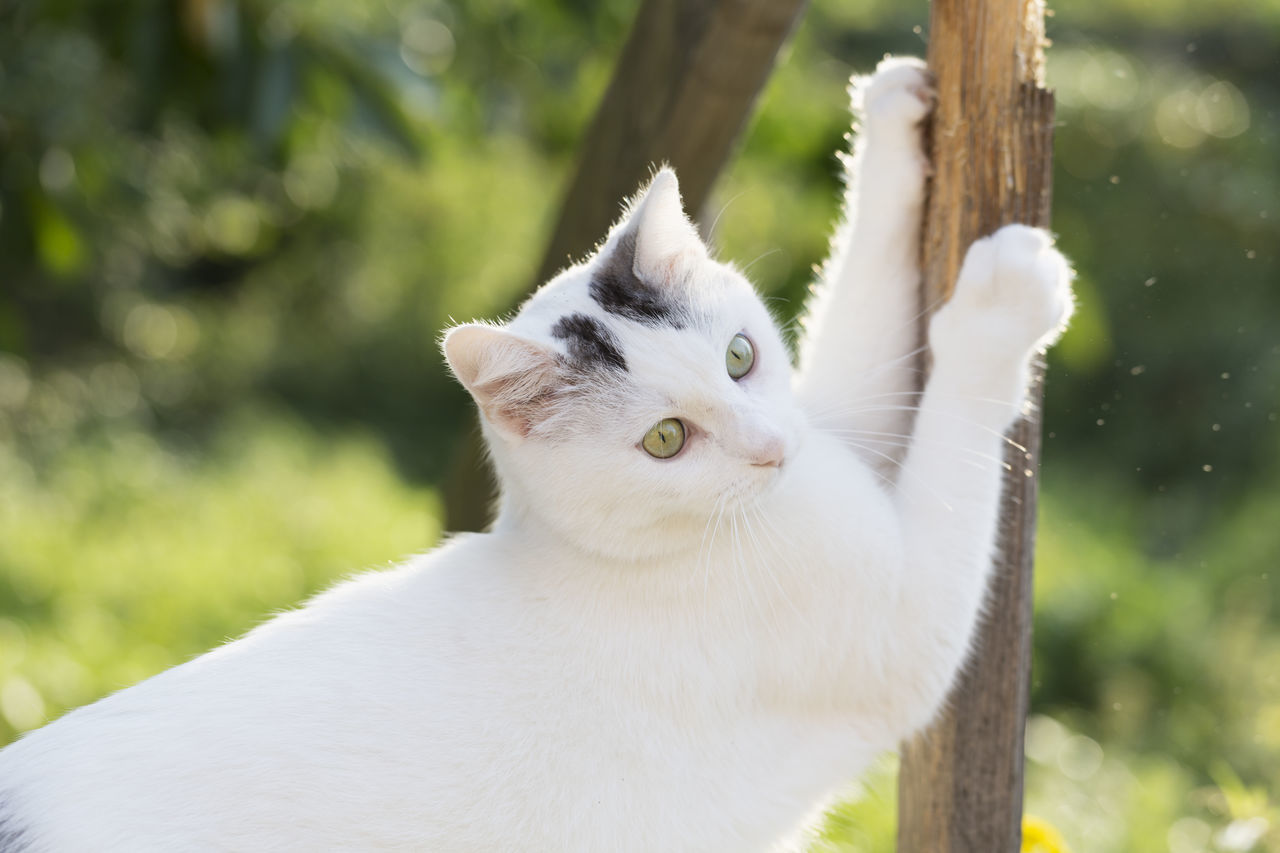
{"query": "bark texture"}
pixel 960 786
pixel 681 94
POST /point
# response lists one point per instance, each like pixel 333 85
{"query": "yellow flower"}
pixel 1039 836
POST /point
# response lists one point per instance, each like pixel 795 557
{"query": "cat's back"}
pixel 353 712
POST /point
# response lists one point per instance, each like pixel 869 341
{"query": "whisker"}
pixel 703 558
pixel 885 365
pixel 941 395
pixel 837 409
pixel 746 565
pixel 743 270
pixel 772 534
pixel 748 512
pixel 976 462
pixel 903 471
pixel 711 232
pixel 897 440
pixel 706 575
pixel 734 550
pixel 946 414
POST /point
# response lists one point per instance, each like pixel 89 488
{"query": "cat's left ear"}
pixel 666 243
pixel 511 378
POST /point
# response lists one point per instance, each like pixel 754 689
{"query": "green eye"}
pixel 740 356
pixel 665 439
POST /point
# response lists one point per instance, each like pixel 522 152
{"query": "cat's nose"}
pixel 769 453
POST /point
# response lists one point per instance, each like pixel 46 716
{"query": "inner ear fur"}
pixel 511 378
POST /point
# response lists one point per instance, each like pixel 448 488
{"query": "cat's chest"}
pixel 773 577
pixel 735 634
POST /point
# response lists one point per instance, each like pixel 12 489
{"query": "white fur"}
pixel 685 654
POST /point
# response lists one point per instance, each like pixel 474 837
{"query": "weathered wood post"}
pixel 681 93
pixel 960 787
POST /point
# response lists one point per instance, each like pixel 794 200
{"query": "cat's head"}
pixel 635 392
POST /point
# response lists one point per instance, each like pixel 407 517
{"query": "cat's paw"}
pixel 891 106
pixel 897 97
pixel 1013 296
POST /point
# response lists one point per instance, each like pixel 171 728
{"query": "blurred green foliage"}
pixel 231 231
pixel 124 556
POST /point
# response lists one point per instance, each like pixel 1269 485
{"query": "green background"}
pixel 231 232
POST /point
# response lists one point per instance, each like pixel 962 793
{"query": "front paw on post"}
pixel 1012 297
pixel 892 104
pixel 899 94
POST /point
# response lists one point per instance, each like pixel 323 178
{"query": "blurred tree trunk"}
pixel 960 786
pixel 681 93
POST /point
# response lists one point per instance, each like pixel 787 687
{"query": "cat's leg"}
pixel 1012 299
pixel 859 353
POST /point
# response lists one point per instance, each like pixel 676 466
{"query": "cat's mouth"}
pixel 761 478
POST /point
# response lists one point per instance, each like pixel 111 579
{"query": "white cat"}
pixel 707 601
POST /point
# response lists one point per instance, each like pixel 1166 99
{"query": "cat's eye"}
pixel 740 356
pixel 665 439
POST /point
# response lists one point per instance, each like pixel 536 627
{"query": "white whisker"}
pixel 898 440
pixel 903 470
pixel 946 414
pixel 771 534
pixel 759 257
pixel 747 514
pixel 711 232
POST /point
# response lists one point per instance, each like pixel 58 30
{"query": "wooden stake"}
pixel 960 786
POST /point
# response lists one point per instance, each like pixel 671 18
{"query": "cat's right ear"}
pixel 655 241
pixel 510 377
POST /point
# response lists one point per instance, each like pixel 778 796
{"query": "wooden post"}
pixel 681 93
pixel 960 786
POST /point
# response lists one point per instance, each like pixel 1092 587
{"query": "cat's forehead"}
pixel 613 285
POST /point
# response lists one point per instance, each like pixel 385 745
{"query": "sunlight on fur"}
pixel 718 586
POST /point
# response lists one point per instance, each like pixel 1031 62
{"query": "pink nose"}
pixel 769 453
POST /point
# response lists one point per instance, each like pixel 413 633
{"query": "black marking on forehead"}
pixel 590 343
pixel 618 290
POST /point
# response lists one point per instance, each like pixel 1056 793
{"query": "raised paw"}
pixel 1013 296
pixel 896 97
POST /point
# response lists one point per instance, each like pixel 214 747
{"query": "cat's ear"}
pixel 666 242
pixel 510 377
